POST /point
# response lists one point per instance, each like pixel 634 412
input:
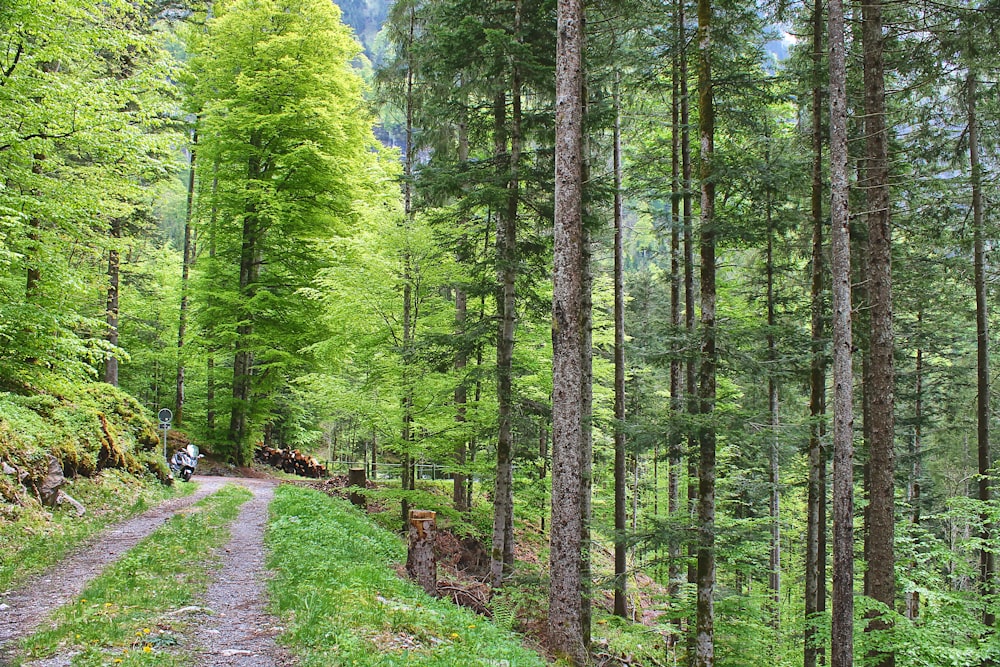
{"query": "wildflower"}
pixel 147 649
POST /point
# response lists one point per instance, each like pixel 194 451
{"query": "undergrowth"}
pixel 343 603
pixel 121 617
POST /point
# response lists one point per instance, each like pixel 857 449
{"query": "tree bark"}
pixel 188 258
pixel 881 556
pixel 690 315
pixel 586 422
pixel 705 629
pixel 620 608
pixel 987 566
pixel 33 260
pixel 506 247
pixel 565 613
pixel 676 362
pixel 913 494
pixel 815 565
pixel 249 274
pixel 114 269
pixel 842 642
pixel 774 579
pixel 407 481
pixel 459 478
pixel 210 410
pixel 421 563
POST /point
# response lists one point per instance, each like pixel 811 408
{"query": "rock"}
pixel 230 652
pixel 48 487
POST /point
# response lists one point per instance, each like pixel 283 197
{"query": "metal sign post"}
pixel 165 416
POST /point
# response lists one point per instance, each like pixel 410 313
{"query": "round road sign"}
pixel 165 416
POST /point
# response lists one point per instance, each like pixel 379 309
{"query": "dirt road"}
pixel 235 628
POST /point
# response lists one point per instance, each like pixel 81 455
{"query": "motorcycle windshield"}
pixel 192 451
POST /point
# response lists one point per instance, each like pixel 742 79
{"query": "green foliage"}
pixel 282 125
pixel 113 619
pixel 83 139
pixel 343 603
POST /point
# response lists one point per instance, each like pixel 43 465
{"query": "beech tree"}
pixel 281 115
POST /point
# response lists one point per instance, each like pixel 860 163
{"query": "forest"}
pixel 696 292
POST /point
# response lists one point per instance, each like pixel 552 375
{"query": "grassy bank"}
pixel 119 618
pixel 343 603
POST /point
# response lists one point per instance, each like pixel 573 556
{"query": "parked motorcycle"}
pixel 183 462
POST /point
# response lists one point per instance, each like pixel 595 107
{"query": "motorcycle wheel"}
pixel 186 474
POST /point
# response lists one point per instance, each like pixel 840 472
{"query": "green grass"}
pixel 119 617
pixel 33 538
pixel 343 604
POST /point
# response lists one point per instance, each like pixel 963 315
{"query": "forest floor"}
pixel 231 622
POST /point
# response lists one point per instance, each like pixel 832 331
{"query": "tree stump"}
pixel 356 478
pixel 421 563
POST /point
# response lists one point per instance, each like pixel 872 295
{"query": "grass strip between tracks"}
pixel 343 603
pixel 120 617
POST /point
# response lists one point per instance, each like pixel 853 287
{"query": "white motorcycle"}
pixel 183 462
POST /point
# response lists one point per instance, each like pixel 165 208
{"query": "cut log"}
pixel 356 478
pixel 421 563
pixel 291 461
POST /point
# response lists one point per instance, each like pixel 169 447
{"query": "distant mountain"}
pixel 366 17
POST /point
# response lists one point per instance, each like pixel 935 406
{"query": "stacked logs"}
pixel 291 461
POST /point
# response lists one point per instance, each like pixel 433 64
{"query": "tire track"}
pixel 240 632
pixel 24 609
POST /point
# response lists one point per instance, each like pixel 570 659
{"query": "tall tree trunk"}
pixel 705 640
pixel 188 258
pixel 881 563
pixel 842 642
pixel 210 410
pixel 243 359
pixel 33 260
pixel 506 247
pixel 565 613
pixel 774 579
pixel 114 270
pixel 987 566
pixel 586 422
pixel 676 363
pixel 619 315
pixel 691 370
pixel 408 481
pixel 459 478
pixel 815 566
pixel 913 493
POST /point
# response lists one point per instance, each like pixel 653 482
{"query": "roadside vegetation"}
pixel 343 603
pixel 39 537
pixel 106 446
pixel 123 616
